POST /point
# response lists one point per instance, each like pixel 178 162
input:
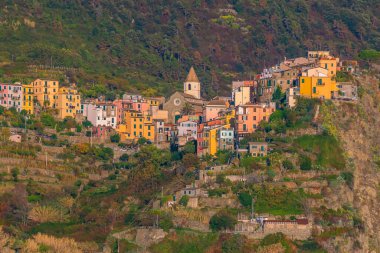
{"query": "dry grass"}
pixel 50 244
pixel 43 214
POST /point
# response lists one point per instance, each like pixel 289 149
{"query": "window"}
pixel 314 90
pixel 288 81
pixel 332 64
pixel 319 82
pixel 189 86
pixel 325 65
pixel 244 127
pixel 303 80
pixel 254 117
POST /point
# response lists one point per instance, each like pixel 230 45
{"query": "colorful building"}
pixel 68 102
pixel 192 85
pixel 226 138
pixel 213 108
pixel 249 116
pixel 258 149
pixel 28 98
pixel 330 64
pixel 136 125
pixel 187 129
pixel 11 96
pixel 100 113
pixel 317 87
pixel 243 92
pixel 45 92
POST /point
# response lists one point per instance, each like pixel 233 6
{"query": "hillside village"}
pixel 147 173
pixel 185 116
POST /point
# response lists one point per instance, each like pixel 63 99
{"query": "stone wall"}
pixel 218 202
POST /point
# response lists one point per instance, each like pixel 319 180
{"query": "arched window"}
pixel 189 86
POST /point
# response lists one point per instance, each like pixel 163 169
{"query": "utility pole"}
pixel 91 138
pixel 252 214
pixel 46 161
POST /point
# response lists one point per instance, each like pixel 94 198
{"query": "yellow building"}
pixel 213 141
pixel 136 125
pixel 27 103
pixel 330 64
pixel 317 87
pixel 229 116
pixel 45 92
pixel 68 102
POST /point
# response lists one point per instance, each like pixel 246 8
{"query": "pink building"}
pixel 249 116
pixel 121 105
pixel 11 96
pixel 141 106
pixel 213 109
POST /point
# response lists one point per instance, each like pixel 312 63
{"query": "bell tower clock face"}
pixel 177 101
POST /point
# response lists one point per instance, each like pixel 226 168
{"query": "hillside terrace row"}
pixel 185 116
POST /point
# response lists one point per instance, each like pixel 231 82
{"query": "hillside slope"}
pixel 145 43
pixel 358 128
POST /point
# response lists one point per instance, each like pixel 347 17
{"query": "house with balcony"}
pixel 68 102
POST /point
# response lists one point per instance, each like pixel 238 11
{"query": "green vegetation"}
pixel 185 242
pixel 325 148
pixel 184 200
pixel 127 46
pixel 276 201
pixel 222 220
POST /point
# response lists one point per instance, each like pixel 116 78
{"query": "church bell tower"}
pixel 192 86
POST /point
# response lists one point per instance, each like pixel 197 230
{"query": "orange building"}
pixel 249 116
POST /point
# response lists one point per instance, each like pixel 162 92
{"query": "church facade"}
pixel 191 95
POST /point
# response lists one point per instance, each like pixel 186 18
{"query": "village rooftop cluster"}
pixel 185 116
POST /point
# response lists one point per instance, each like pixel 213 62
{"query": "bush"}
pixel 245 199
pixel 166 223
pixel 184 200
pixel 222 220
pixel 287 164
pixel 124 157
pixel 234 244
pixel 115 138
pixel 305 162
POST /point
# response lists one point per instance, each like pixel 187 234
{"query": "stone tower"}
pixel 192 86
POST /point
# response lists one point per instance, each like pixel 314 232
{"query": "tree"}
pixel 184 200
pixel 222 220
pixel 245 199
pixel 115 138
pixel 305 162
pixel 142 141
pixel 187 109
pixel 190 160
pixel 369 55
pixel 287 164
pixel 124 158
pixel 189 147
pixel 87 123
pixel 15 172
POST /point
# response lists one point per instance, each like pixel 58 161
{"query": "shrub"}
pixel 305 162
pixel 124 157
pixel 184 200
pixel 115 138
pixel 287 164
pixel 166 223
pixel 222 220
pixel 234 244
pixel 245 199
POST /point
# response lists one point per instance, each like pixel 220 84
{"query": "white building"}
pixel 100 113
pixel 188 129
